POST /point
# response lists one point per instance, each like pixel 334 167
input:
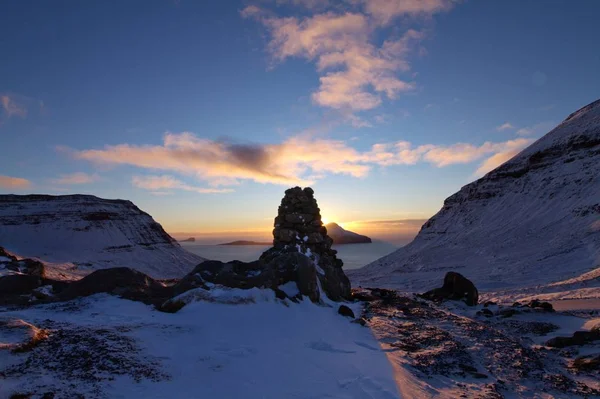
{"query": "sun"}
pixel 324 220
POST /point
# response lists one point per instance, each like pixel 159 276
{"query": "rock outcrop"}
pixel 456 287
pixel 122 281
pixel 29 267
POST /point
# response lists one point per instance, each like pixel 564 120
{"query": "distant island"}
pixel 191 239
pixel 342 236
pixel 243 242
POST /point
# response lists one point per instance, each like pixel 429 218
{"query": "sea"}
pixel 353 255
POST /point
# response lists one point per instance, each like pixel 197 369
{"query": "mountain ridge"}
pixel 91 233
pixel 538 211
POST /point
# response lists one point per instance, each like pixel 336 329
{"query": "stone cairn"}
pixel 298 225
pixel 299 229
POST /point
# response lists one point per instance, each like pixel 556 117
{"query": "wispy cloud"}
pixel 385 11
pixel 299 160
pixel 356 70
pixel 8 182
pixel 505 126
pixel 13 106
pixel 76 178
pixel 157 183
pixel 498 159
pixel 537 129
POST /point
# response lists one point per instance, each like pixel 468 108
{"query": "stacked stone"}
pixel 298 224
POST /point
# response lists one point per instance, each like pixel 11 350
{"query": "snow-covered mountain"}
pixel 91 233
pixel 532 222
pixel 342 236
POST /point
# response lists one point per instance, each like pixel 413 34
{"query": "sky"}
pixel 203 113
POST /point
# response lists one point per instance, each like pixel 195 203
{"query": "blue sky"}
pixel 203 113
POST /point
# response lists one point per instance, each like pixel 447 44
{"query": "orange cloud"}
pixel 223 163
pixel 299 160
pixel 157 183
pixel 14 182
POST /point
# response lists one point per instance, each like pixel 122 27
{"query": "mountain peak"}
pixel 343 236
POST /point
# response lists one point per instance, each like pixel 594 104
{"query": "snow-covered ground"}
pixel 106 347
pixel 246 344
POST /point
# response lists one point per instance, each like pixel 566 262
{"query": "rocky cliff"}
pixel 534 220
pixel 90 232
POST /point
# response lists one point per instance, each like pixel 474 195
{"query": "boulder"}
pixel 578 338
pixel 456 287
pixel 345 311
pixel 546 306
pixel 122 281
pixel 485 312
pixel 19 284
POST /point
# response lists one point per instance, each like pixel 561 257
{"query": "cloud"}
pixel 393 223
pixel 299 160
pixel 76 178
pixel 357 70
pixel 225 163
pixel 513 147
pixel 385 11
pixel 8 182
pixel 13 106
pixel 404 153
pixel 505 126
pixel 537 129
pixel 157 183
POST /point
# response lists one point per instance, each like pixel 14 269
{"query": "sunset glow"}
pixel 204 125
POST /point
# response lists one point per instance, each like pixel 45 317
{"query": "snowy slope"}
pixel 531 222
pixel 343 236
pixel 90 233
pixel 264 349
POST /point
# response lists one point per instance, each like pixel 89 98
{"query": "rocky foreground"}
pixel 285 325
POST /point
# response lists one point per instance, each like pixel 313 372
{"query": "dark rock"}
pixel 345 311
pixel 485 312
pixel 456 287
pixel 578 338
pixel 19 284
pixel 122 281
pixel 306 279
pixel 587 363
pixel 363 295
pixel 506 313
pixel 30 267
pixel 488 303
pixel 535 304
pixel 361 320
